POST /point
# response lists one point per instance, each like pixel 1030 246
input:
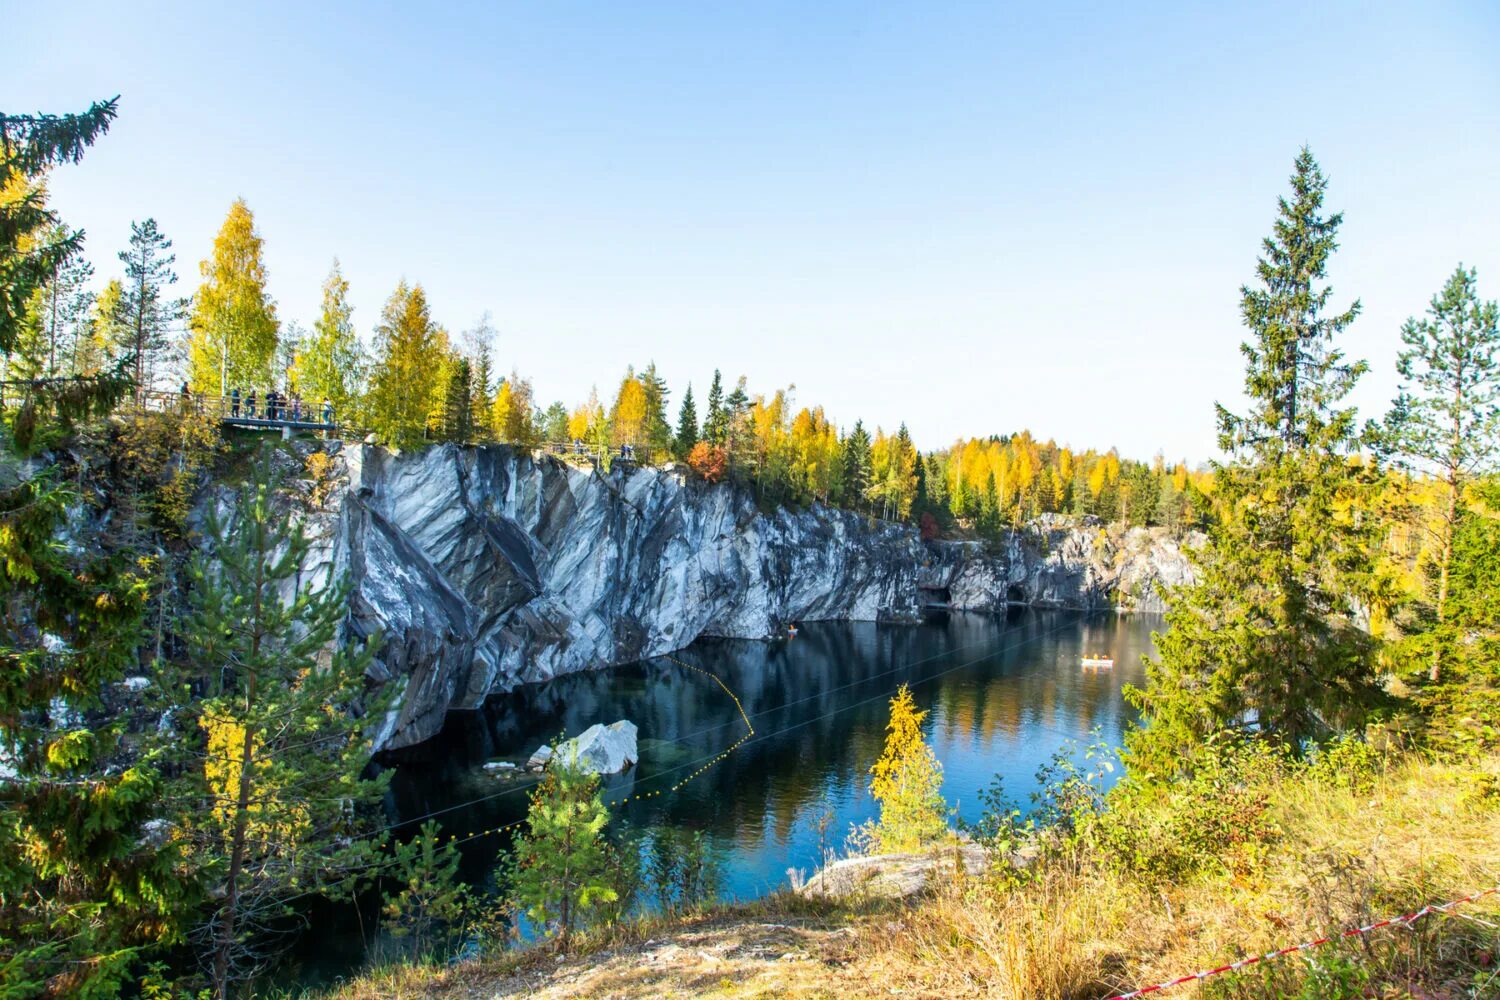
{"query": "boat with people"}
pixel 1098 660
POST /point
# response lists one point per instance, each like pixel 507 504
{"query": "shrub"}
pixel 708 462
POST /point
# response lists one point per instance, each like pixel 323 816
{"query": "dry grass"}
pixel 1426 833
pixel 1083 927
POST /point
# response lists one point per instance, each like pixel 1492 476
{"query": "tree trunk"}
pixel 224 944
pixel 1445 559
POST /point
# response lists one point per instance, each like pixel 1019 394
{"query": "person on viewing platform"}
pixel 250 405
pixel 327 412
pixel 296 406
pixel 234 402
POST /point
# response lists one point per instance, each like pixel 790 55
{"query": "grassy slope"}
pixel 1326 856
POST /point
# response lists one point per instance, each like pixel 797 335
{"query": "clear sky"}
pixel 973 217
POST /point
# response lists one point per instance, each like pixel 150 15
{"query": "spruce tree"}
pixel 1445 423
pixel 233 320
pixel 85 889
pixel 144 307
pixel 658 428
pixel 458 417
pixel 284 725
pixel 715 425
pixel 34 248
pixel 560 864
pixel 1269 636
pixel 858 469
pixel 687 424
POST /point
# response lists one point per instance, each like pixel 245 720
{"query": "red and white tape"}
pixel 1403 920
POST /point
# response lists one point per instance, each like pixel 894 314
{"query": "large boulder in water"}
pixel 602 749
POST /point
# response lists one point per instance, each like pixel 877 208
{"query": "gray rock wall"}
pixel 485 568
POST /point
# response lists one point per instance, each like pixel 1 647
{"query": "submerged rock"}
pixel 602 749
pixel 539 758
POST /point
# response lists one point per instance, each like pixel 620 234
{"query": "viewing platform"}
pixel 232 412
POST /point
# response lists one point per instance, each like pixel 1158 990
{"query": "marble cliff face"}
pixel 488 567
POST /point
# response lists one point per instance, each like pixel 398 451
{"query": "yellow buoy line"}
pixel 639 796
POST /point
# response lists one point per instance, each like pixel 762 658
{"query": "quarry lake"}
pixel 1003 693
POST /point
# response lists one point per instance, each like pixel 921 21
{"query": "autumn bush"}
pixel 708 462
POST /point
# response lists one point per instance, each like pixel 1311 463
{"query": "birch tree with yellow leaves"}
pixel 233 326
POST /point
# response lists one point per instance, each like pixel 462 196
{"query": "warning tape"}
pixel 1401 921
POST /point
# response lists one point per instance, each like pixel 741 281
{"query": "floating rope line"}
pixel 655 793
pixel 1405 920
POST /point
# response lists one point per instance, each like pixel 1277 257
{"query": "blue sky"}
pixel 973 217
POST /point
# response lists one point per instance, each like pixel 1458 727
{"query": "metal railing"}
pixel 237 411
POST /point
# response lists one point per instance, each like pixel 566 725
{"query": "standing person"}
pixel 296 407
pixel 234 402
pixel 327 412
pixel 250 405
pixel 271 400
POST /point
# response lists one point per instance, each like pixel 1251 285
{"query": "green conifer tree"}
pixel 284 727
pixel 34 247
pixel 458 415
pixel 428 899
pixel 715 423
pixel 147 312
pixel 1269 636
pixel 687 425
pixel 1446 423
pixel 560 864
pixel 858 467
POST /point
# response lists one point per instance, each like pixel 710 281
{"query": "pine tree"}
pixel 144 307
pixel 1446 420
pixel 408 351
pixel 429 898
pixel 907 781
pixel 70 305
pixel 284 727
pixel 715 424
pixel 1269 635
pixel 560 864
pixel 233 321
pixel 329 365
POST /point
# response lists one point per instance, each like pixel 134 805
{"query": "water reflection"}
pixel 1003 695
